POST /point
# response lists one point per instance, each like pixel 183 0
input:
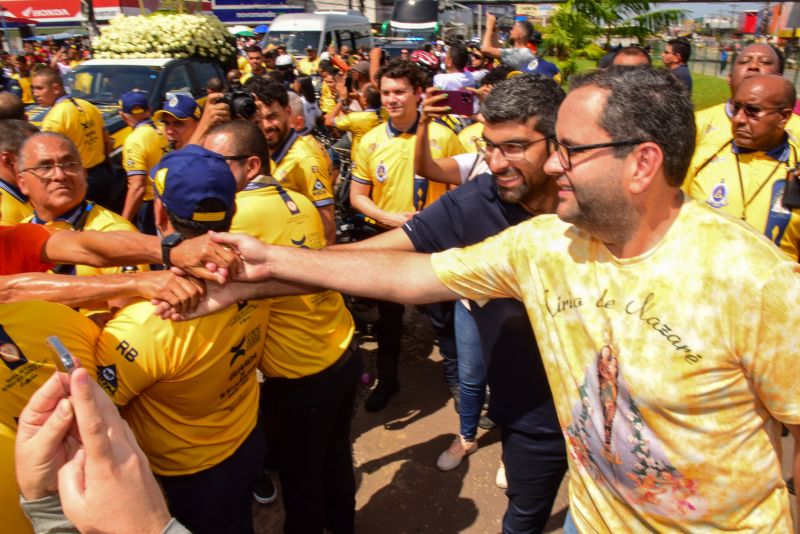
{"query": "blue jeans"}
pixel 471 371
pixel 535 465
pixel 569 525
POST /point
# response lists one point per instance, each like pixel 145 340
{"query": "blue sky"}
pixel 708 8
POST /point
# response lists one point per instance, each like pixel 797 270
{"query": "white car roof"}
pixel 144 62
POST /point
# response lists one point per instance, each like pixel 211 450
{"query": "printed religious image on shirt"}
pixel 609 439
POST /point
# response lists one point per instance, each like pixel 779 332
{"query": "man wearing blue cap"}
pixel 142 150
pixel 178 119
pixel 188 390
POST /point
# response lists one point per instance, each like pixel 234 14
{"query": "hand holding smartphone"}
pixel 460 101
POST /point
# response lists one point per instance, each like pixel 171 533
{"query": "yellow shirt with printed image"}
pixel 385 161
pixel 306 333
pixel 26 364
pixel 142 150
pixel 305 168
pixel 187 389
pixel 666 369
pixel 713 179
pixel 83 123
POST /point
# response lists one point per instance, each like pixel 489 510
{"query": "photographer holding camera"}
pixel 236 103
pixel 747 176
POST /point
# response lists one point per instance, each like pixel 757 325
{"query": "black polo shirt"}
pixel 521 397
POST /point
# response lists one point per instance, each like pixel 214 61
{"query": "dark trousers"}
pixel 102 188
pixel 313 446
pixel 146 218
pixel 441 315
pixel 218 499
pixel 390 332
pixel 535 465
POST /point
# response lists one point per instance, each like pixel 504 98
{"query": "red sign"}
pixel 59 10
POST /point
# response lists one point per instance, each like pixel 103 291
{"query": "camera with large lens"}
pixel 240 101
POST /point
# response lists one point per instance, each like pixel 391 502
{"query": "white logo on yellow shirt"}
pixel 380 172
pixel 719 196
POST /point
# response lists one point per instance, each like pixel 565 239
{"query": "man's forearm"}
pixel 795 430
pixel 402 277
pixel 73 291
pixel 102 249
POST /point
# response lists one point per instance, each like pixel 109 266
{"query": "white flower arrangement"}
pixel 170 35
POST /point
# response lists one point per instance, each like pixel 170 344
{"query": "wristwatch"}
pixel 167 244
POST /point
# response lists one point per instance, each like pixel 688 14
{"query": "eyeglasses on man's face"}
pixel 751 111
pixel 510 151
pixel 50 170
pixel 565 151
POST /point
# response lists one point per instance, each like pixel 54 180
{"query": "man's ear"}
pixel 647 161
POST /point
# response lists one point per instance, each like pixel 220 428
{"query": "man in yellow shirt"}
pixel 312 372
pixel 255 60
pixel 23 76
pixel 83 124
pixel 386 190
pixel 298 163
pixel 188 390
pixel 14 205
pixel 746 177
pixel 714 123
pixel 178 119
pixel 357 123
pixel 142 150
pixel 309 65
pixel 51 175
pixel 668 414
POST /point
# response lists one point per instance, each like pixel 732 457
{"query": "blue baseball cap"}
pixel 181 107
pixel 185 178
pixel 134 102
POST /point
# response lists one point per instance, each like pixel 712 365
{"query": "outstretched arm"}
pixel 107 249
pixel 387 275
pixel 489 44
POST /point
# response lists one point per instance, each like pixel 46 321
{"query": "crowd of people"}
pixel 616 270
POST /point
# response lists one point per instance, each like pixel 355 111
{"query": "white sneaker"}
pixel 451 458
pixel 500 479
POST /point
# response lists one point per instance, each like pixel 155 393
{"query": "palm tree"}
pixel 628 18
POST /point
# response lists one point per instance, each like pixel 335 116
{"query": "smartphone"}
pixel 460 101
pixel 64 360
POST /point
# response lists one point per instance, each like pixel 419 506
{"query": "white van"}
pixel 319 29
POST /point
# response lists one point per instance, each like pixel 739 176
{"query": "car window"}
pixel 103 84
pixel 178 79
pixel 204 71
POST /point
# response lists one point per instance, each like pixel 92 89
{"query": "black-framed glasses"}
pixel 48 171
pixel 565 152
pixel 510 151
pixel 751 111
pixel 236 158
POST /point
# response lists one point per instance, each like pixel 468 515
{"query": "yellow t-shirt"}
pixel 83 123
pixel 385 161
pixel 25 86
pixel 327 100
pixel 307 67
pixel 101 220
pixel 142 151
pixel 303 166
pixel 665 368
pixel 14 206
pixel 244 66
pixel 305 333
pixel 763 179
pixel 359 123
pixel 714 126
pixel 187 389
pixel 26 364
pixel 470 135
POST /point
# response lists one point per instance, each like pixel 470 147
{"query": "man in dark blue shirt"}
pixel 676 57
pixel 519 118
